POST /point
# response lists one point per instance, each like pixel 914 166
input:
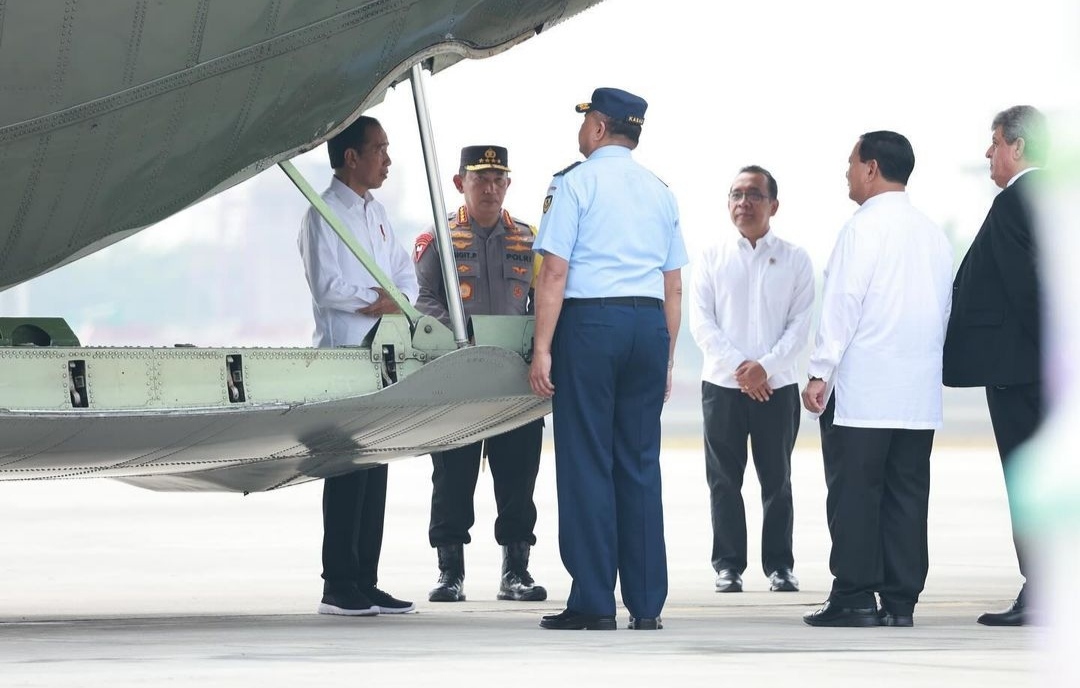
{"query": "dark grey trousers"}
pixel 730 417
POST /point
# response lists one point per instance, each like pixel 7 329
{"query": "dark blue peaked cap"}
pixel 616 104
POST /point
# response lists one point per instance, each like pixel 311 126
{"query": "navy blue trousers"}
pixel 609 365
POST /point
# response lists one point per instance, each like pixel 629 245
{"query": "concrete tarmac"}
pixel 102 584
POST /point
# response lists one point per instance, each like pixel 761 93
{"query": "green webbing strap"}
pixel 367 261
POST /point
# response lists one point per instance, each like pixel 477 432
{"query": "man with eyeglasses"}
pixel 750 300
pixel 875 380
pixel 496 271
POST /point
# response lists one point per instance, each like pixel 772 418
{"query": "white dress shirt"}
pixel 1019 174
pixel 751 304
pixel 888 291
pixel 339 283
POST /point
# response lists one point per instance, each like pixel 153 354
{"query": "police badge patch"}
pixel 422 243
pixel 547 203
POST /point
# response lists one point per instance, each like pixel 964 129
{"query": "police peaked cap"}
pixel 475 158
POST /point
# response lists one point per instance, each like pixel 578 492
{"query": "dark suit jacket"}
pixel 995 326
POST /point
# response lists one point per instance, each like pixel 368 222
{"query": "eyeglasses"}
pixel 752 196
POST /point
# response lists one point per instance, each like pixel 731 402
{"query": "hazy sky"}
pixel 785 84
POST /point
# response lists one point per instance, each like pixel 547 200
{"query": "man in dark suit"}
pixel 993 340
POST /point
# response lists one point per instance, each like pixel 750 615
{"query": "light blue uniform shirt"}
pixel 615 223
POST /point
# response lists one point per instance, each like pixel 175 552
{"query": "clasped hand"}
pixel 753 380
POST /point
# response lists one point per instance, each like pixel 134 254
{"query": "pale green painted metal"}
pixel 162 418
pixel 513 332
pixel 34 379
pixel 349 240
pixel 175 379
pixel 37 331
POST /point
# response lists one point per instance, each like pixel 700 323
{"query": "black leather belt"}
pixel 635 301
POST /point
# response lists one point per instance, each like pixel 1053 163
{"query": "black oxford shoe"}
pixel 645 624
pixel 1016 615
pixel 569 620
pixel 896 620
pixel 728 580
pixel 783 580
pixel 851 617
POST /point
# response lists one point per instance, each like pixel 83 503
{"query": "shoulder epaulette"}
pixel 422 243
pixel 520 226
pixel 460 218
pixel 567 169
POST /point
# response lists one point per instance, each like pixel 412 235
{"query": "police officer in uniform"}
pixel 496 270
pixel 607 314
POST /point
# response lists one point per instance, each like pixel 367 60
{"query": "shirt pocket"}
pixel 516 280
pixel 777 287
pixel 468 275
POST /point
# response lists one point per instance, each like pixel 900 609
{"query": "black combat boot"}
pixel 516 583
pixel 451 586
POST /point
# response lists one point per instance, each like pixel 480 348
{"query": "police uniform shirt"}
pixel 617 247
pixel 339 283
pixel 495 265
pixel 885 306
pixel 751 304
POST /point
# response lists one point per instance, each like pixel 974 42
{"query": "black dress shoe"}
pixel 1016 615
pixel 639 624
pixel 783 580
pixel 728 580
pixel 569 620
pixel 897 620
pixel 834 616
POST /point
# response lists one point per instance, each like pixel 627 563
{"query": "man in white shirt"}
pixel 750 301
pixel 875 378
pixel 347 304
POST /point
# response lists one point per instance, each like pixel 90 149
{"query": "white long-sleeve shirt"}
pixel 751 304
pixel 339 283
pixel 888 291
